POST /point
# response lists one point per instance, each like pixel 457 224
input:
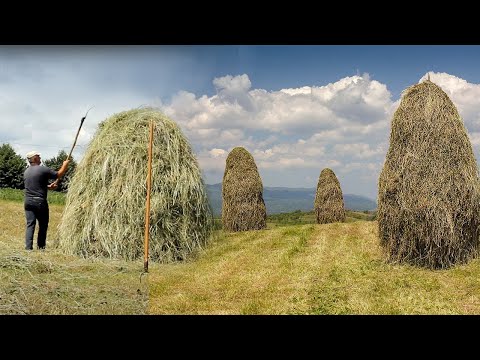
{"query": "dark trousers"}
pixel 36 209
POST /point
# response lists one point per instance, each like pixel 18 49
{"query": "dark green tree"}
pixel 12 167
pixel 55 163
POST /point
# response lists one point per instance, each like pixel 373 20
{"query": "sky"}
pixel 297 109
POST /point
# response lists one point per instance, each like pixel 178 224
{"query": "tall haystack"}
pixel 329 206
pixel 429 194
pixel 243 207
pixel 105 205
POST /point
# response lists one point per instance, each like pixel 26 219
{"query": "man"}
pixel 36 207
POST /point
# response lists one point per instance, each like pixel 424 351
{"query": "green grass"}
pixel 360 215
pixel 48 282
pixel 309 269
pixel 293 218
pixel 16 195
pixel 301 217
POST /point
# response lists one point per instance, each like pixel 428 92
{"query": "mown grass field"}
pixel 293 267
pixel 48 282
pixel 308 269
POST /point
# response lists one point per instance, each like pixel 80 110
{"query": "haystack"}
pixel 429 195
pixel 243 207
pixel 329 206
pixel 105 205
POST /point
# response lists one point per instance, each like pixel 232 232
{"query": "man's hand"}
pixel 63 169
pixel 52 186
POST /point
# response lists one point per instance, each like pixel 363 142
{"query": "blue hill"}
pixel 284 199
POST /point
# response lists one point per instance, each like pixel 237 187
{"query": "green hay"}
pixel 243 207
pixel 329 206
pixel 429 198
pixel 105 205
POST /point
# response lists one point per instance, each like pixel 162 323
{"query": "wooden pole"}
pixel 149 188
pixel 74 143
pixel 76 137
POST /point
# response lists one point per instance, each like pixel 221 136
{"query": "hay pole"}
pixel 75 141
pixel 149 188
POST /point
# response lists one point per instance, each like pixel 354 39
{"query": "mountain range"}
pixel 284 199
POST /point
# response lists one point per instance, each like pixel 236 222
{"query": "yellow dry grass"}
pixel 49 282
pixel 309 269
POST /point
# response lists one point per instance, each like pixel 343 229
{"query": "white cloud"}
pixel 292 133
pixel 475 138
pixel 233 83
pixel 342 125
pixel 211 164
pixel 217 153
pixel 306 90
pixel 361 150
pixel 349 102
pixel 207 134
pixel 296 131
pixel 286 163
pixel 369 166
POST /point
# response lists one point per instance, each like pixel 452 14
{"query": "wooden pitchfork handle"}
pixel 74 143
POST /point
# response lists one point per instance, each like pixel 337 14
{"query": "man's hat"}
pixel 32 154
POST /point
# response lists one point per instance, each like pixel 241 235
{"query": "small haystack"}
pixel 429 194
pixel 329 206
pixel 105 205
pixel 243 207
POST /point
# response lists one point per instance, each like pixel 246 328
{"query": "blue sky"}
pixel 297 109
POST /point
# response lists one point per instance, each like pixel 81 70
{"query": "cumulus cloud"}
pixel 292 133
pixel 361 151
pixel 351 101
pixel 343 125
pixel 360 100
pixel 217 153
pixel 291 129
pixel 233 84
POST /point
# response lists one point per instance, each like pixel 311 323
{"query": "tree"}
pixel 55 163
pixel 12 167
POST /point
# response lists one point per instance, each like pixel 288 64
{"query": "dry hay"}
pixel 329 205
pixel 428 198
pixel 104 213
pixel 243 207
